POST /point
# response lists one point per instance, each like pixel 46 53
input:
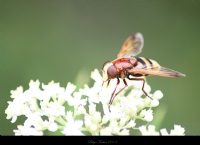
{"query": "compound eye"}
pixel 112 71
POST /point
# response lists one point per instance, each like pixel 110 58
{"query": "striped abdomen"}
pixel 146 64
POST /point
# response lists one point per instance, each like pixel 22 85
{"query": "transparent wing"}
pixel 156 70
pixel 161 71
pixel 132 46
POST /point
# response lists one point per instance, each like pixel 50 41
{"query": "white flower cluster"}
pixel 46 109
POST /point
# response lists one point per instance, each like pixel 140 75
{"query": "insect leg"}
pixel 108 83
pixel 119 91
pixel 118 81
pixel 140 79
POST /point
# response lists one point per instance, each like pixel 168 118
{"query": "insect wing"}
pixel 132 46
pixel 150 67
pixel 161 71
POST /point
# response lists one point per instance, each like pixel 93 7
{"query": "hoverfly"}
pixel 125 65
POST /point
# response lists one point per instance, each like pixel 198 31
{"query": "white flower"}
pixel 35 120
pixel 53 88
pixel 95 75
pixel 148 116
pixel 131 124
pixel 15 109
pixel 147 101
pixel 26 131
pixel 114 114
pixel 105 119
pixel 34 91
pixel 73 128
pixel 92 109
pixel 46 124
pixel 34 85
pixel 21 105
pixel 142 113
pixel 17 92
pixel 123 121
pixel 106 131
pixel 116 130
pixel 92 93
pixel 93 127
pixel 80 110
pixel 178 130
pixel 150 131
pixel 66 95
pixel 154 103
pixel 53 127
pixel 124 132
pixel 113 123
pixel 76 100
pixel 97 117
pixel 131 105
pixel 69 116
pixel 88 121
pixel 164 131
pixel 147 88
pixel 157 95
pixel 32 126
pixel 54 108
pixel 70 88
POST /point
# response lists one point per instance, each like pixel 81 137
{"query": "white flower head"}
pixel 117 118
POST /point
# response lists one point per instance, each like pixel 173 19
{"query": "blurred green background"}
pixel 58 40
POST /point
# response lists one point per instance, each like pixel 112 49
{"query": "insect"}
pixel 125 66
